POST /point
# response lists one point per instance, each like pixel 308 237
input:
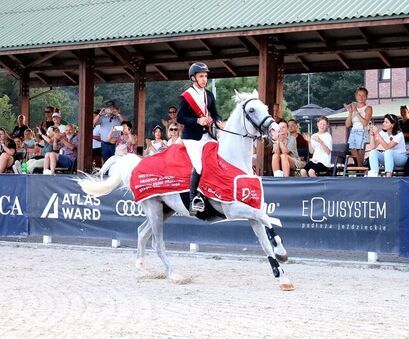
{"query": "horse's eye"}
pixel 251 110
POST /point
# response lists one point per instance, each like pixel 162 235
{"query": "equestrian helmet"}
pixel 197 67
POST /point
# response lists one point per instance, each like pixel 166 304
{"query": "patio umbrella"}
pixel 309 113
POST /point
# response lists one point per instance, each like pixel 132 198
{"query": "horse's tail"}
pixel 120 170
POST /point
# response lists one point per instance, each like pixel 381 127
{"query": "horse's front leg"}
pixel 259 229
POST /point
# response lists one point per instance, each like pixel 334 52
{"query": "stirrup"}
pixel 197 205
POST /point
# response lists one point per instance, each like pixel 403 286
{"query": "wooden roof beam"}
pixel 72 77
pixel 385 59
pixel 100 76
pixel 10 66
pixel 172 49
pixel 42 59
pixel 249 46
pixel 322 37
pixel 229 67
pixel 43 78
pixel 343 60
pixel 206 45
pixel 304 63
pixel 364 35
pixel 254 42
pixel 161 72
pixel 123 56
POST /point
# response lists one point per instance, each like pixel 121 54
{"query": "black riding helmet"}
pixel 197 67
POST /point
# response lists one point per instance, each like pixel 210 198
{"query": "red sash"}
pixel 192 103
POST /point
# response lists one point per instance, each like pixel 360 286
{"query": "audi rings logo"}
pixel 129 208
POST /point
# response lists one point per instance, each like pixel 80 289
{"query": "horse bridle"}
pixel 247 116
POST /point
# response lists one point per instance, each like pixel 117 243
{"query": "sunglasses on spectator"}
pixel 172 112
pixel 173 129
pixel 47 111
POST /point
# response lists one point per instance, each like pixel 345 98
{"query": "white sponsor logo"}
pixel 72 206
pixel 10 206
pixel 319 209
pixel 129 208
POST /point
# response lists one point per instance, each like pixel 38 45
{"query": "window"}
pixel 385 74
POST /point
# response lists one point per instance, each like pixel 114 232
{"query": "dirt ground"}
pixel 68 291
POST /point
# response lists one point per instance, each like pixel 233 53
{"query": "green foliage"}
pixel 326 89
pixel 7 117
pixel 57 98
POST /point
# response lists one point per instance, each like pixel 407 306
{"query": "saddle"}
pixel 169 172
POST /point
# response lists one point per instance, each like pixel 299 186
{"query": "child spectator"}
pixel 302 144
pixel 320 145
pixel 20 150
pixel 29 143
pixel 157 145
pixel 7 150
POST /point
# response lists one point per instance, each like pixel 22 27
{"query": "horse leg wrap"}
pixel 275 266
pixel 271 234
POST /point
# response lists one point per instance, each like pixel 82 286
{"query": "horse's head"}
pixel 257 121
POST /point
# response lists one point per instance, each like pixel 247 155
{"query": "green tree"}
pixel 7 117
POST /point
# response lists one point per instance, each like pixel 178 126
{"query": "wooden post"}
pixel 86 108
pixel 24 96
pixel 271 72
pixel 139 102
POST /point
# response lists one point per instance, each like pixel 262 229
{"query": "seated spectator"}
pixel 320 145
pixel 18 131
pixel 302 144
pixel 404 122
pixel 29 143
pixel 173 134
pixel 388 146
pixel 157 144
pixel 359 116
pixel 57 122
pixel 39 144
pixel 285 155
pixel 20 150
pixel 7 150
pixel 67 155
pixel 125 142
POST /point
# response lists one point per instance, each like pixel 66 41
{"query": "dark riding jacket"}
pixel 188 118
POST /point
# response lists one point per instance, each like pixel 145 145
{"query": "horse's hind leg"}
pixel 154 212
pixel 258 228
pixel 144 233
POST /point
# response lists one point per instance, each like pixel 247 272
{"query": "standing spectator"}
pixel 173 134
pixel 302 144
pixel 285 155
pixel 157 144
pixel 320 145
pixel 18 131
pixel 359 116
pixel 404 122
pixel 48 119
pixel 7 150
pixel 108 117
pixel 172 116
pixel 96 143
pixel 67 154
pixel 388 146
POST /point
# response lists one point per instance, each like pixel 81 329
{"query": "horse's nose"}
pixel 273 131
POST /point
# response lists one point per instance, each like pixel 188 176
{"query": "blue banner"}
pixel 404 218
pixel 13 211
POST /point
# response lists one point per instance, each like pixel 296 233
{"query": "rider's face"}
pixel 201 79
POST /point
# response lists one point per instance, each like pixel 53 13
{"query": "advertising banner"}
pixel 404 218
pixel 13 216
pixel 336 213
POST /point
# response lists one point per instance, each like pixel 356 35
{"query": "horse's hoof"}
pixel 282 258
pixel 286 284
pixel 179 279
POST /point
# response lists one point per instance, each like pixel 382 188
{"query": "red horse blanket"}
pixel 169 172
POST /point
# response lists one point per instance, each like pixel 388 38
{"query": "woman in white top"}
pixel 157 145
pixel 360 114
pixel 173 134
pixel 320 145
pixel 388 146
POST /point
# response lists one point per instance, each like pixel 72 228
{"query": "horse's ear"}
pixel 255 93
pixel 238 97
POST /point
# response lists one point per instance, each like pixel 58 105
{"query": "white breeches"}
pixel 194 149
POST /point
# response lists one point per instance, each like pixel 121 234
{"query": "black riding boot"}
pixel 196 201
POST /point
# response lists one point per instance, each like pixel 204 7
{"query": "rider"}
pixel 197 112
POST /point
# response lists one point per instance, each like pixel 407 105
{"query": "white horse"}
pixel 249 120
